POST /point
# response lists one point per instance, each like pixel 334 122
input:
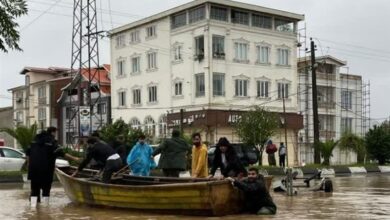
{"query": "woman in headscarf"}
pixel 226 159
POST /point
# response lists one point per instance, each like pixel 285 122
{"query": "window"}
pixel 261 21
pixel 152 60
pixel 283 90
pixel 102 108
pixel 151 31
pixel 346 125
pixel 283 57
pixel 262 89
pixel 179 88
pixel 199 85
pixel 241 52
pixel 137 96
pixel 241 87
pixel 41 114
pixel 150 126
pixel 11 153
pixel 284 25
pixel 196 14
pixel 121 67
pixel 122 98
pixel 134 37
pixel 41 92
pixel 218 47
pixel 19 116
pixel 346 99
pixel 120 41
pixel 263 54
pixel 199 47
pixel 178 53
pixel 239 17
pixel 179 20
pixel 135 123
pixel 218 84
pixel 135 64
pixel 218 13
pixel 152 94
pixel 162 126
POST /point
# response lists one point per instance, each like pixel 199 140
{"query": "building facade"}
pixel 339 106
pixel 206 55
pixel 75 96
pixel 35 102
pixel 6 115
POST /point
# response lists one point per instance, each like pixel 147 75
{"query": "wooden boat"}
pixel 157 194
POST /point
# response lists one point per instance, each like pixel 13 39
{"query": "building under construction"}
pixel 343 106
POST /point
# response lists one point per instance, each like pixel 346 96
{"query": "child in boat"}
pixel 256 195
pixel 140 158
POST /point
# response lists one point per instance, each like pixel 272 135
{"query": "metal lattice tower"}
pixel 85 59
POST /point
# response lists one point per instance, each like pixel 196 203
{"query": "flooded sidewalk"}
pixel 355 197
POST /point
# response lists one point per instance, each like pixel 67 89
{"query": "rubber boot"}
pixel 45 200
pixel 33 201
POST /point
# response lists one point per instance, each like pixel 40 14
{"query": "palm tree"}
pixel 354 143
pixel 24 135
pixel 326 149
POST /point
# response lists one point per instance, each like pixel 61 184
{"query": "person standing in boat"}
pixel 226 159
pixel 257 199
pixel 174 153
pixel 41 156
pixel 140 158
pixel 199 158
pixel 103 154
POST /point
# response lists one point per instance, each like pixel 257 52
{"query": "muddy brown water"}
pixel 354 197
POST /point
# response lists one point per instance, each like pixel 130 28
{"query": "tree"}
pixel 23 135
pixel 349 141
pixel 378 142
pixel 255 127
pixel 9 35
pixel 326 149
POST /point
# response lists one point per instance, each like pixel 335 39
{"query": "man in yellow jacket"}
pixel 199 158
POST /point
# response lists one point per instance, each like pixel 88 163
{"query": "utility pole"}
pixel 317 158
pixel 285 124
pixel 181 121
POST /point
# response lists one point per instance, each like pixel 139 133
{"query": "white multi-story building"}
pixel 339 106
pixel 211 58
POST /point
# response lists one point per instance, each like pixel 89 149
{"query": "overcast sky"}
pixel 356 31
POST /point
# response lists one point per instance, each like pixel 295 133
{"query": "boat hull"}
pixel 215 198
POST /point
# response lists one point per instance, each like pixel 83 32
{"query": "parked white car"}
pixel 13 159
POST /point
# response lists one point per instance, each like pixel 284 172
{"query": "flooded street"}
pixel 355 197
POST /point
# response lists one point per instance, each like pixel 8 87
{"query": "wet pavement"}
pixel 355 197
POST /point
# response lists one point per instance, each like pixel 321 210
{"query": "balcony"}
pixel 328 105
pixel 326 76
pixel 327 134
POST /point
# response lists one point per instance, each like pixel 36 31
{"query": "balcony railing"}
pixel 328 105
pixel 327 134
pixel 42 101
pixel 326 76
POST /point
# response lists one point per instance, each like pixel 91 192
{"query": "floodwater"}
pixel 354 197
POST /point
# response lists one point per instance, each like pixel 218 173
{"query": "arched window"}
pixel 135 123
pixel 162 126
pixel 150 126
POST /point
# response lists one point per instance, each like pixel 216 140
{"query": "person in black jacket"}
pixel 226 159
pixel 41 156
pixel 103 154
pixel 256 195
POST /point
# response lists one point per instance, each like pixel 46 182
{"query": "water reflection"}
pixel 356 197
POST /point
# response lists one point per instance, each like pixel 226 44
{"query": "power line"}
pixel 43 13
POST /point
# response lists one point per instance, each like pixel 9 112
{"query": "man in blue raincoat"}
pixel 140 158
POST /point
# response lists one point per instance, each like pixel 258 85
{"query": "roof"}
pixel 350 76
pixel 323 58
pixel 50 70
pixel 285 14
pixel 17 88
pixel 102 74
